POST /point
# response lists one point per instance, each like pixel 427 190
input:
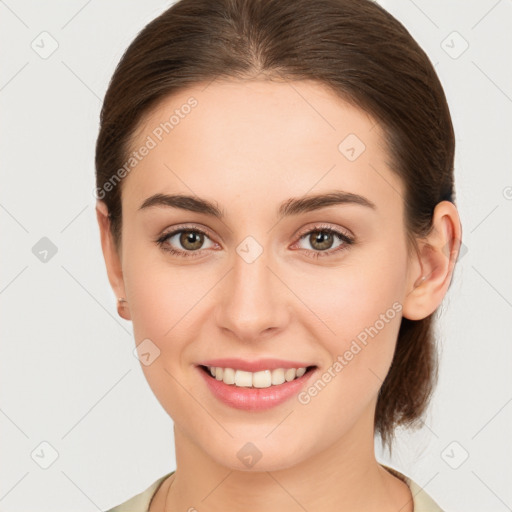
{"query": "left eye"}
pixel 322 239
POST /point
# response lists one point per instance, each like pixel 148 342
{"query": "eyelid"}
pixel 323 226
pixel 186 227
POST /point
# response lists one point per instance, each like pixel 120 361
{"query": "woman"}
pixel 276 208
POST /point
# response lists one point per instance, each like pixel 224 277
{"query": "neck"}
pixel 341 478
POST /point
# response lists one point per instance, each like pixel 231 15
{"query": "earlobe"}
pixel 112 259
pixel 437 254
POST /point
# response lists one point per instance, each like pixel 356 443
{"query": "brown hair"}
pixel 354 47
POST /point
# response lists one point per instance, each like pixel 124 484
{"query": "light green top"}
pixel 140 502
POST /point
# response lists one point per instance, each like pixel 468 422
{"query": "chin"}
pixel 256 456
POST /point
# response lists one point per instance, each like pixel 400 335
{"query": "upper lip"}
pixel 253 366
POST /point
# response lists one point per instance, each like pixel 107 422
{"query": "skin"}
pixel 248 146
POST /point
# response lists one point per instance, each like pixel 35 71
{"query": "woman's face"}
pixel 265 281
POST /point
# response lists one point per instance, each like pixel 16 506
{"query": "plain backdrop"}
pixel 80 428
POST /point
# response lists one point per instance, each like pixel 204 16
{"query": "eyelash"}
pixel 316 229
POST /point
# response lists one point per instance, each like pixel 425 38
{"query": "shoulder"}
pixel 422 502
pixel 140 502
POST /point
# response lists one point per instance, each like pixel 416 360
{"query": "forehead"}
pixel 246 137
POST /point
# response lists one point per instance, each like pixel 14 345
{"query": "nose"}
pixel 254 301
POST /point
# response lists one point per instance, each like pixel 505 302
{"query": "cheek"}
pixel 160 294
pixel 354 296
pixel 360 353
pixel 165 302
pixel 159 302
pixel 362 309
pixel 152 303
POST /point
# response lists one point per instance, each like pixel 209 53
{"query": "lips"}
pixel 254 398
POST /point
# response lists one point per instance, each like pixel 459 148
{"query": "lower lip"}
pixel 254 399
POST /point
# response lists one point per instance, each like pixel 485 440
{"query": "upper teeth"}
pixel 262 379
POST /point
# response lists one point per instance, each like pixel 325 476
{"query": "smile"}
pixel 255 391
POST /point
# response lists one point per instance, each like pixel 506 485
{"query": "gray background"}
pixel 68 375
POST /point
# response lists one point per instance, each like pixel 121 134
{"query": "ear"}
pixel 430 273
pixel 112 258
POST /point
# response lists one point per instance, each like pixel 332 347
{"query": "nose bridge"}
pixel 252 302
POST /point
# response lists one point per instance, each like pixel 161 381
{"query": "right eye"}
pixel 190 239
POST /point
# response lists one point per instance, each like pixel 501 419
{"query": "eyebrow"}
pixel 292 206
